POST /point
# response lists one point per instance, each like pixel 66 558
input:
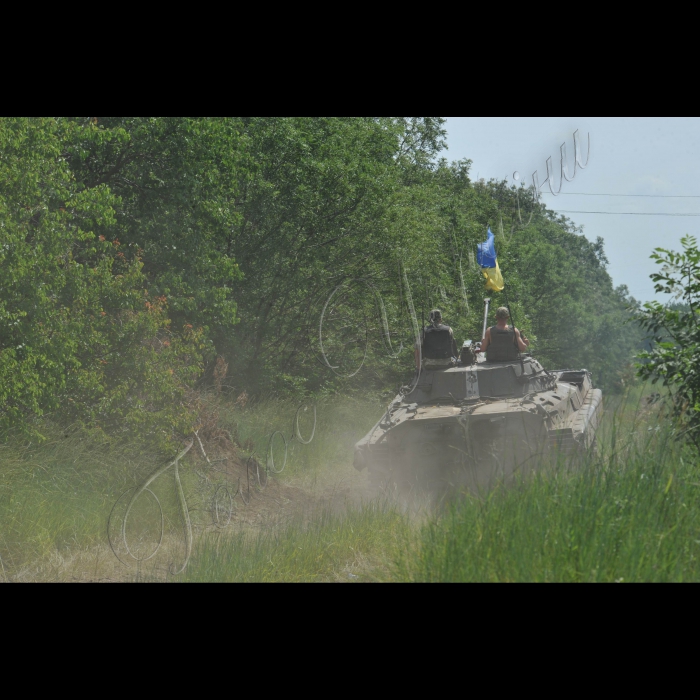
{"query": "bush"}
pixel 79 335
pixel 675 358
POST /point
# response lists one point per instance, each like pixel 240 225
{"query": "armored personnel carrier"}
pixel 472 423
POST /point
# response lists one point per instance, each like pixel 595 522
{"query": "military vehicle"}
pixel 472 422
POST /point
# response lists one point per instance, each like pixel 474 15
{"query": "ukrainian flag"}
pixel 488 262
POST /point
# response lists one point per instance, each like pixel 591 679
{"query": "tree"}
pixel 177 183
pixel 135 250
pixel 675 358
pixel 79 334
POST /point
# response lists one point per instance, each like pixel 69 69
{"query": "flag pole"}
pixel 515 335
pixel 487 304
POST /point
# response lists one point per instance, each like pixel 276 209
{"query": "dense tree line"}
pixel 135 251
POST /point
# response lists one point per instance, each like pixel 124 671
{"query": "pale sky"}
pixel 629 156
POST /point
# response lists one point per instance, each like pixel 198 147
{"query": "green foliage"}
pixel 326 203
pixel 558 287
pixel 568 302
pixel 631 513
pixel 56 498
pixel 629 516
pixel 135 250
pixel 354 201
pixel 675 357
pixel 78 334
pixel 176 179
pixel 354 546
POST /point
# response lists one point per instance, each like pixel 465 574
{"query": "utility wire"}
pixel 622 213
pixel 649 196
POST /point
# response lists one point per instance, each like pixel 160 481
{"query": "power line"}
pixel 649 196
pixel 623 213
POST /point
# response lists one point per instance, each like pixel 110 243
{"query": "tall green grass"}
pixel 55 501
pixel 56 497
pixel 631 513
pixel 356 545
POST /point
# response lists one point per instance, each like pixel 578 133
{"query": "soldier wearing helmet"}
pixel 503 343
pixel 439 348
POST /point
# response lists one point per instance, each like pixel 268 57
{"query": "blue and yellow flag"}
pixel 488 262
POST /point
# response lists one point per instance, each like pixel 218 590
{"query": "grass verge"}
pixel 358 545
pixel 631 514
pixel 56 498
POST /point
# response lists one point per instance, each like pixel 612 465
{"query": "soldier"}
pixel 439 345
pixel 503 343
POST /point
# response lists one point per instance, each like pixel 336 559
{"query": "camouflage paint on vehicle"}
pixel 471 426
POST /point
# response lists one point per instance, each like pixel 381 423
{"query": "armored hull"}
pixel 472 426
